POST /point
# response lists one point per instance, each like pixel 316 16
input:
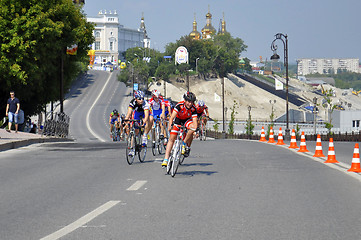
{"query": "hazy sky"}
pixel 315 28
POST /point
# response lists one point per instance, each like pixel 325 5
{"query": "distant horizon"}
pixel 327 30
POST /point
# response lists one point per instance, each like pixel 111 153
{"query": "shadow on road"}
pixel 193 173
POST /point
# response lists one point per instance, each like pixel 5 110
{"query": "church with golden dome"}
pixel 208 31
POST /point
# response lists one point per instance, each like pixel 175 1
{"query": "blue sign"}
pixel 167 56
pixel 135 87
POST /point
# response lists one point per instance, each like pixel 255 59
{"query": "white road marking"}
pixel 136 185
pixel 91 108
pixel 81 221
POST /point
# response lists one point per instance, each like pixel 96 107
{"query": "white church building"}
pixel 112 38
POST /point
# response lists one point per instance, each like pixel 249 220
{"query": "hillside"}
pixel 245 94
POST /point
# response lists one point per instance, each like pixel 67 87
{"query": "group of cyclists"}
pixel 184 113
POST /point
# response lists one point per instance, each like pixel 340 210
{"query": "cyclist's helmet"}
pixel 122 116
pixel 189 96
pixel 139 94
pixel 155 93
pixel 115 111
pixel 201 103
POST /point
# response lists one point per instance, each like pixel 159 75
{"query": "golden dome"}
pixel 195 34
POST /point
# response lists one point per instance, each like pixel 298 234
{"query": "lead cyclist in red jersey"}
pixel 184 113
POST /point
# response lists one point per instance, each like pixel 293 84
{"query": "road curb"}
pixel 27 142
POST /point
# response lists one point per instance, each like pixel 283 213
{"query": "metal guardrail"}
pixel 58 126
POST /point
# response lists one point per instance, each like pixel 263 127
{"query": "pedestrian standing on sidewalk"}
pixel 12 111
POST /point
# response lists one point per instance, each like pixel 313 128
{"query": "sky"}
pixel 315 28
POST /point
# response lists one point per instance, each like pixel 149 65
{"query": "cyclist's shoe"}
pixel 187 151
pixel 131 153
pixel 165 141
pixel 144 141
pixel 165 163
pixel 161 136
pixel 183 149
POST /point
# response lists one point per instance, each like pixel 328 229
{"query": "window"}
pixel 97 46
pixel 97 34
pixel 111 46
pixel 356 123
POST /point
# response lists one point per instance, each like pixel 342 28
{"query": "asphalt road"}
pixel 226 189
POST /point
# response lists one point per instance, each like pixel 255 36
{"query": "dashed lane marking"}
pixel 136 185
pixel 81 221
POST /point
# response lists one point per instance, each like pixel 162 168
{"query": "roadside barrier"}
pixel 331 157
pixel 271 137
pixel 318 152
pixel 263 136
pixel 293 143
pixel 280 138
pixel 355 165
pixel 303 147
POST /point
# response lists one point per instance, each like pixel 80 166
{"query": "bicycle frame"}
pixel 176 153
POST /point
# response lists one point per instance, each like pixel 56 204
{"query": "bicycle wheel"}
pixel 170 161
pixel 130 138
pixel 176 160
pixel 160 142
pixel 154 147
pixel 203 132
pixel 142 151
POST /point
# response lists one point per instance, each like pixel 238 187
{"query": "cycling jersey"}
pixel 138 110
pixel 183 113
pixel 113 117
pixel 167 104
pixel 200 110
pixel 156 106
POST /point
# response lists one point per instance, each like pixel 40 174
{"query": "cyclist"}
pixel 113 120
pixel 168 111
pixel 157 108
pixel 202 112
pixel 139 110
pixel 184 113
pixel 122 125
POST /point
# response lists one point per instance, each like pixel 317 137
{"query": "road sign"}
pixel 135 87
pixel 181 55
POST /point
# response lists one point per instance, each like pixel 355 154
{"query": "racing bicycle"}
pixel 202 129
pixel 157 141
pixel 176 156
pixel 134 142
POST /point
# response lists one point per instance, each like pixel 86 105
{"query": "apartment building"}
pixel 307 66
pixel 112 38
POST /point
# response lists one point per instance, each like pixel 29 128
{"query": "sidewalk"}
pixel 20 139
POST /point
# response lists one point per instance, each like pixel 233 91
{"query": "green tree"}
pixel 233 113
pixel 34 35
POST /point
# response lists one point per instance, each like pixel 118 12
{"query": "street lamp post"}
pixel 249 122
pixel 223 111
pixel 197 64
pixel 276 57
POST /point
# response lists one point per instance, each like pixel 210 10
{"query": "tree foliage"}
pixel 34 35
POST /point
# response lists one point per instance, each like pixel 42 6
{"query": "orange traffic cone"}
pixel 303 147
pixel 293 143
pixel 280 138
pixel 263 136
pixel 331 158
pixel 355 166
pixel 271 137
pixel 318 152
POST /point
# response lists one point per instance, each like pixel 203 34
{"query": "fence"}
pixel 58 126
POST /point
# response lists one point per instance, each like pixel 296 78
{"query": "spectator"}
pixel 12 110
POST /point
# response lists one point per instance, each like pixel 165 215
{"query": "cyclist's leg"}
pixel 189 137
pixel 172 137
